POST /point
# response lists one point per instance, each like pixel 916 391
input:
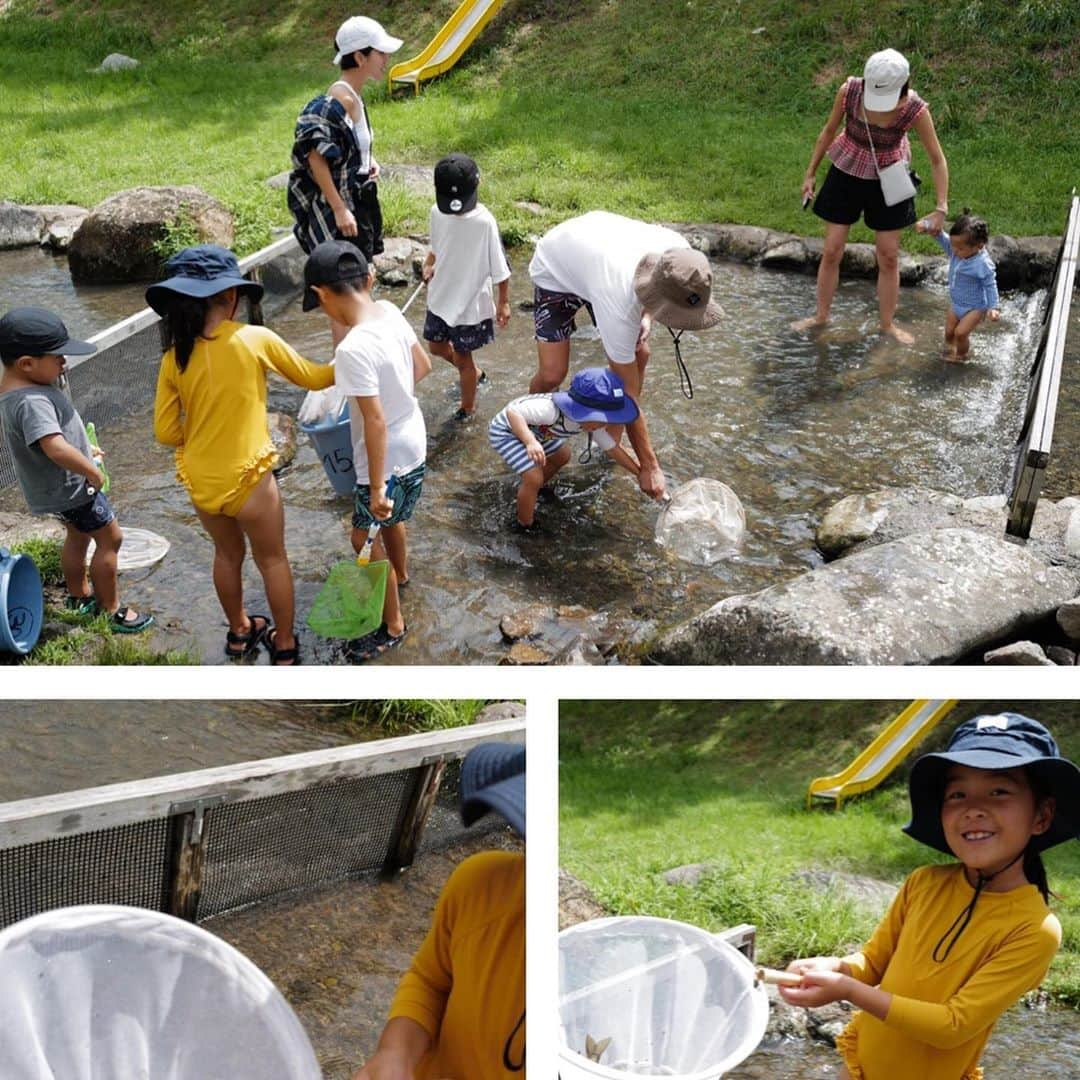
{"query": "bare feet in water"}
pixel 812 323
pixel 901 335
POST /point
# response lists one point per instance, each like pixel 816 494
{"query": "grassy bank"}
pixel 647 786
pixel 661 109
pixel 71 639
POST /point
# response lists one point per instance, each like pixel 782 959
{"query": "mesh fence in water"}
pixel 204 843
pixel 121 377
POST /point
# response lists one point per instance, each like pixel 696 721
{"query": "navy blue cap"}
pixel 1007 741
pixel 493 778
pixel 35 331
pixel 330 262
pixel 201 271
pixel 597 394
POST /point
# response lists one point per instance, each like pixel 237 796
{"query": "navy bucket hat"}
pixel 493 778
pixel 597 394
pixel 998 743
pixel 201 271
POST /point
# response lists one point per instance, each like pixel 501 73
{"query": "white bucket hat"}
pixel 360 32
pixel 883 79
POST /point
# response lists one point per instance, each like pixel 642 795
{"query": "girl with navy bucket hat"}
pixel 530 433
pixel 211 406
pixel 962 942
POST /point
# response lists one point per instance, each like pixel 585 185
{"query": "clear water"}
pixel 791 423
pixel 54 746
pixel 1025 1043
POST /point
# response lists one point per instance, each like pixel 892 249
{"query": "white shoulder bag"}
pixel 895 179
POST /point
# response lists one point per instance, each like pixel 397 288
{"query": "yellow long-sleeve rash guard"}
pixel 942 1013
pixel 214 411
pixel 466 985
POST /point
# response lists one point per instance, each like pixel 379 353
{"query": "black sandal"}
pixel 242 646
pixel 372 646
pixel 282 657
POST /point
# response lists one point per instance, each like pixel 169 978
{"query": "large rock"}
pixel 20 226
pixel 918 600
pixel 116 242
pixel 400 261
pixel 61 222
pixel 16 526
pixel 857 522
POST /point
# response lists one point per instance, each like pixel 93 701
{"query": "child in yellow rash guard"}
pixel 459 1011
pixel 214 412
pixel 211 405
pixel 466 985
pixel 962 943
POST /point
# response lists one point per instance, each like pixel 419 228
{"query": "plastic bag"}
pixel 703 523
pixel 319 406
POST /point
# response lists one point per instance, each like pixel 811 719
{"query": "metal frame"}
pixel 1032 452
pixel 250 266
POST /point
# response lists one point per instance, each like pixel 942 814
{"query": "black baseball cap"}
pixel 456 180
pixel 35 331
pixel 331 261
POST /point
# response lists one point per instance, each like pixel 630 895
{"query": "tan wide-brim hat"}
pixel 675 288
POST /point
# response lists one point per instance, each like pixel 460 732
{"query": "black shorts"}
pixel 843 198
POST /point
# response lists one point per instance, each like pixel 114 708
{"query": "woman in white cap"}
pixel 876 111
pixel 332 188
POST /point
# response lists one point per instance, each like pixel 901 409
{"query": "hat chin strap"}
pixel 685 384
pixel 965 916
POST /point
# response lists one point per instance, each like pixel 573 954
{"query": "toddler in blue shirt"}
pixel 973 290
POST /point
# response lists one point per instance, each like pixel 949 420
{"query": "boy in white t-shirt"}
pixel 377 364
pixel 466 257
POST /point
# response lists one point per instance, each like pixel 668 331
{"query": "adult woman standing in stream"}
pixel 333 192
pixel 877 112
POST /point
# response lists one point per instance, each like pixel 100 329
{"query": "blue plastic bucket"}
pixel 332 439
pixel 22 603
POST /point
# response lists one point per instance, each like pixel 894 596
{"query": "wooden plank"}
pixel 424 793
pixel 27 821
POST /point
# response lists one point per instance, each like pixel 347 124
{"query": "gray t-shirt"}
pixel 27 415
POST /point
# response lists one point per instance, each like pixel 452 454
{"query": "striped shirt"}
pixel 850 150
pixel 326 127
pixel 972 281
pixel 546 421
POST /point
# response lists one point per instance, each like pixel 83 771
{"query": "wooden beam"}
pixel 27 821
pixel 407 838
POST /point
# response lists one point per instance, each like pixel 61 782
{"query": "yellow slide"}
pixel 882 755
pixel 446 47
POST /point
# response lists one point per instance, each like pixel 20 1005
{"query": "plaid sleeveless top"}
pixel 850 150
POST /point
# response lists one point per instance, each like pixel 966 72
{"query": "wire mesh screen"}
pixel 272 845
pixel 119 379
pixel 127 864
pixel 122 377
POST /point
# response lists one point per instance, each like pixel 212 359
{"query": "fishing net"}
pixel 350 604
pixel 703 523
pixel 141 548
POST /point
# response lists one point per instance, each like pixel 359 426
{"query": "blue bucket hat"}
pixel 201 271
pixel 996 742
pixel 597 394
pixel 493 778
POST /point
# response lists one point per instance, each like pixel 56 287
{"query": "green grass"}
pixel 672 110
pixel 647 786
pixel 404 715
pixel 46 556
pixel 90 641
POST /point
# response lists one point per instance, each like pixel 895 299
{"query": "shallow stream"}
pixel 792 423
